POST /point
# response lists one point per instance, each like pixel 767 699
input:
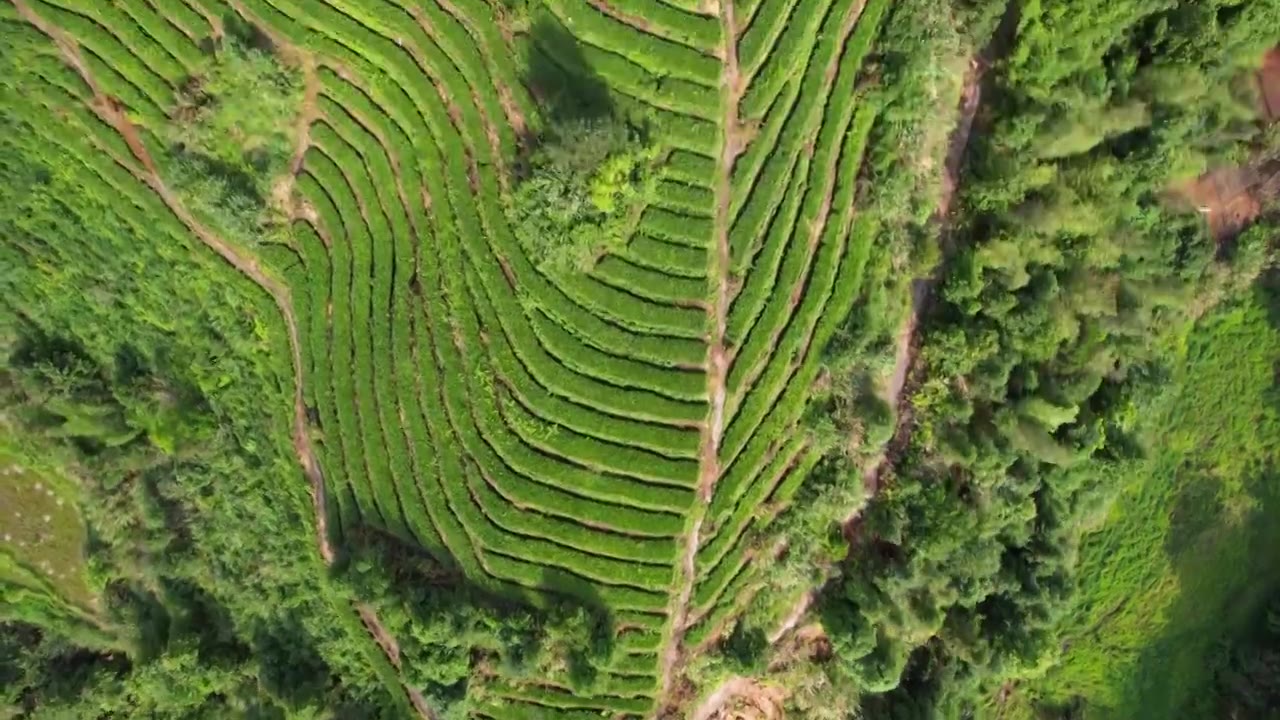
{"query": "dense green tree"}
pixel 580 191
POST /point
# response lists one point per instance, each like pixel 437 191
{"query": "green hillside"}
pixel 635 358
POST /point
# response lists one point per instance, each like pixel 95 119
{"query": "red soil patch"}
pixel 1225 198
pixel 1230 199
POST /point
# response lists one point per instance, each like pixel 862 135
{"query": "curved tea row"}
pixel 545 429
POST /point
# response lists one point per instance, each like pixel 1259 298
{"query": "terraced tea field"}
pixel 623 434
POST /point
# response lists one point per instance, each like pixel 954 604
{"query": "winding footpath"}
pixel 899 392
pixel 717 364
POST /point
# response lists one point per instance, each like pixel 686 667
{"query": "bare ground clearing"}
pixel 741 698
pixel 1231 198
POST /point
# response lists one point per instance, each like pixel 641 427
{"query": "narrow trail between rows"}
pixel 111 112
pixel 717 356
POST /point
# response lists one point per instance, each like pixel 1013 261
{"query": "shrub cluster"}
pixel 584 182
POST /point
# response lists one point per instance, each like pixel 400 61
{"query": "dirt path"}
pixel 282 196
pixel 970 98
pixel 309 113
pixel 897 393
pixel 1269 85
pixel 717 359
pixel 751 699
pixel 391 649
pixel 733 687
pixel 793 618
pixel 111 113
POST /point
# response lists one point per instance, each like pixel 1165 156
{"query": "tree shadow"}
pixel 196 614
pixel 1225 575
pixel 246 34
pixel 39 667
pixel 1267 288
pixel 139 609
pixel 583 661
pixel 235 186
pixel 289 665
pixel 559 77
pixel 1196 510
pixel 1221 548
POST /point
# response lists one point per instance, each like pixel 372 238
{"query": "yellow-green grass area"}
pixel 1190 548
pixel 42 537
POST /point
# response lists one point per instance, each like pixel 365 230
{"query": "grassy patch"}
pixel 42 537
pixel 1186 552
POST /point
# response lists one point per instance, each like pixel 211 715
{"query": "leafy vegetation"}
pixel 1069 270
pixel 1177 563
